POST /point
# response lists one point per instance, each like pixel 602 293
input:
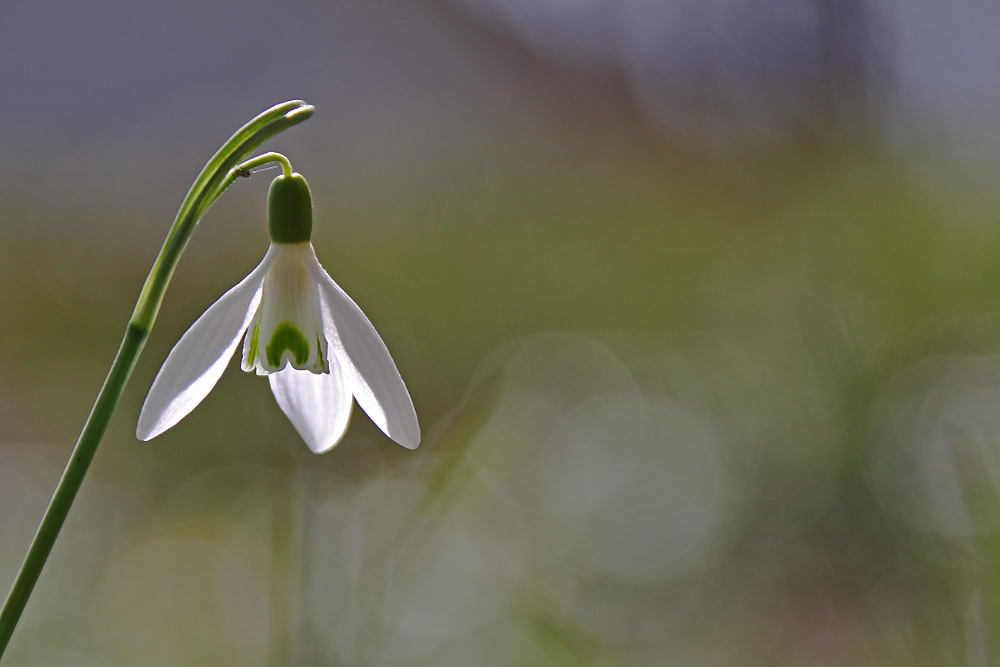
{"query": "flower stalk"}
pixel 221 170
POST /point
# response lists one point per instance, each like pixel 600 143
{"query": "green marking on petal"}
pixel 321 365
pixel 252 356
pixel 286 336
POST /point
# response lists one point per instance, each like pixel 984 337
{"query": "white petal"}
pixel 376 382
pixel 198 359
pixel 318 405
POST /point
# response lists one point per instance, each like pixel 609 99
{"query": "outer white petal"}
pixel 198 359
pixel 376 382
pixel 318 405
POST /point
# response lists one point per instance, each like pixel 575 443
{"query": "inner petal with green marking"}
pixel 287 337
pixel 286 329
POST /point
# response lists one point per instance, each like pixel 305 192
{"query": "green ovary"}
pixel 286 336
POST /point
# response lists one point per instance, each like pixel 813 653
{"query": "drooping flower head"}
pixel 316 347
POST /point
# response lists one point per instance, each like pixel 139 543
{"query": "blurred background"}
pixel 697 302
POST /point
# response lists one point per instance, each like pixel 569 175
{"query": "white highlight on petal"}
pixel 199 358
pixel 375 381
pixel 319 406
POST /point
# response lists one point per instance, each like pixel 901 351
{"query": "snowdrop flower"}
pixel 316 347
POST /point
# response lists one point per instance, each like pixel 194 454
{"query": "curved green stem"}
pixel 243 168
pixel 216 176
pixel 206 189
pixel 264 158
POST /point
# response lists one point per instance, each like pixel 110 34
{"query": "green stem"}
pixel 263 158
pixel 216 176
pixel 243 169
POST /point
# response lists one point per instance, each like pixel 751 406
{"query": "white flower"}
pixel 316 347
